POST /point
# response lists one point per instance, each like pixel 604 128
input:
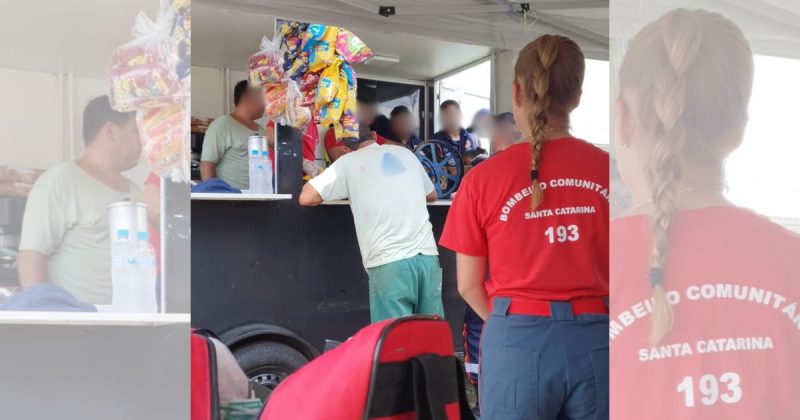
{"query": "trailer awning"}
pixel 429 38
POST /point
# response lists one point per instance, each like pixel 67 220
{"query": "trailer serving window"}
pixel 763 173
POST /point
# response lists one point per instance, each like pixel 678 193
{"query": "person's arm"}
pixel 152 199
pixel 208 170
pixel 471 274
pixel 430 191
pixel 432 196
pixel 47 217
pixel 32 267
pixel 213 149
pixel 331 184
pixel 309 196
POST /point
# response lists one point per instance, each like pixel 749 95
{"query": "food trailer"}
pixel 275 280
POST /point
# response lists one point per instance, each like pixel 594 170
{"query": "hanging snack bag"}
pixel 266 66
pixel 308 85
pixel 349 121
pixel 299 67
pixel 351 47
pixel 328 85
pixel 324 51
pixel 332 112
pixel 312 36
pixel 297 115
pixel 142 72
pixel 275 101
pixel 163 134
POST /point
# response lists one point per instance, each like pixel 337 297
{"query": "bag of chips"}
pixel 297 115
pixel 275 101
pixel 299 67
pixel 291 40
pixel 312 36
pixel 349 121
pixel 332 112
pixel 266 66
pixel 164 136
pixel 351 47
pixel 328 85
pixel 308 85
pixel 142 73
pixel 324 51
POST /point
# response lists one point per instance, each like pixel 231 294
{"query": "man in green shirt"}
pixel 65 227
pixel 225 144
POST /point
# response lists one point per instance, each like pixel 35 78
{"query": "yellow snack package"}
pixel 328 85
pixel 332 112
pixel 324 52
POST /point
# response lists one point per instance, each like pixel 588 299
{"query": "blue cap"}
pixel 123 234
pixel 142 236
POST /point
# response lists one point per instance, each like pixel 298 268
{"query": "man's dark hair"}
pixel 239 90
pixel 400 110
pixel 97 113
pixel 448 103
pixel 505 117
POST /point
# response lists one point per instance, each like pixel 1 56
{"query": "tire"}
pixel 268 362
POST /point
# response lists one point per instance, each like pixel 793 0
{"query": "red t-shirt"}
pixel 559 251
pixel 331 141
pixel 310 139
pixel 735 342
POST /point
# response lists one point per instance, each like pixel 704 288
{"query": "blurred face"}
pixel 484 124
pixel 123 144
pixel 451 118
pixel 504 134
pixel 366 113
pixel 402 125
pixel 252 103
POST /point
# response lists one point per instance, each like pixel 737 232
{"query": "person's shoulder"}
pixel 57 179
pixel 586 147
pixel 223 121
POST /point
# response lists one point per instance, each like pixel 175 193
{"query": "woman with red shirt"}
pixel 705 318
pixel 539 212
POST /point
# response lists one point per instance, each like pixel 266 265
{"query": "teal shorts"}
pixel 406 287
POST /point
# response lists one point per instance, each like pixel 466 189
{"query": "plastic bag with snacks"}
pixel 351 47
pixel 163 132
pixel 328 85
pixel 142 73
pixel 266 66
pixel 324 51
pixel 297 115
pixel 275 101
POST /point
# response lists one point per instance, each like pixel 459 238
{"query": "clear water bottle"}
pixel 145 257
pixel 255 173
pixel 266 172
pixel 123 273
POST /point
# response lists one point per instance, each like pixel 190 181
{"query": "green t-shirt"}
pixel 225 144
pixel 66 219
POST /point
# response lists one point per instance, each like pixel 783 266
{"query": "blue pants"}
pixel 544 368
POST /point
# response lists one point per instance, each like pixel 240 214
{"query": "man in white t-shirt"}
pixel 388 190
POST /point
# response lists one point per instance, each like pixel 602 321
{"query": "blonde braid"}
pixel 547 51
pixel 664 171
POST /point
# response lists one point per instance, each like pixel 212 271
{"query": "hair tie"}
pixel 534 175
pixel 656 276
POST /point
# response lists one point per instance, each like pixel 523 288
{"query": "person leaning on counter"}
pixel 225 144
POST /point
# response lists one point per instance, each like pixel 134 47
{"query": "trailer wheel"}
pixel 268 362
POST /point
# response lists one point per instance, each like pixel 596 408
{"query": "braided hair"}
pixel 550 72
pixel 690 75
